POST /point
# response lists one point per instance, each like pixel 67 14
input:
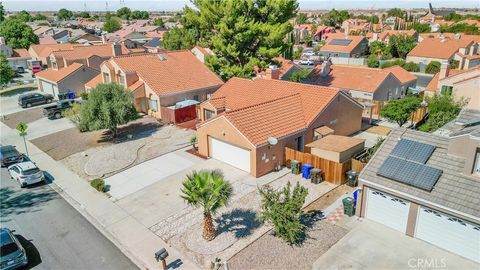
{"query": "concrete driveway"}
pixel 370 245
pixel 9 102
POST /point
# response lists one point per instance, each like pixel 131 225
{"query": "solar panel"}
pixel 427 178
pixel 408 173
pixel 341 42
pixel 413 151
pixel 402 148
pixel 390 167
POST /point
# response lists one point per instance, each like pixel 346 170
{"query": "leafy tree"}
pixel 442 109
pixel 73 114
pixel 433 67
pixel 301 18
pixel 210 191
pixel 461 28
pixel 17 34
pixel 159 22
pixel 178 39
pixel 282 209
pixel 64 14
pixel 108 106
pixel 83 14
pixel 420 27
pixel 372 61
pixel 298 53
pixel 396 62
pixel 299 75
pixel 242 34
pixel 39 17
pixel 24 16
pixel 453 17
pixel 374 19
pixel 335 18
pixel 377 48
pixel 124 13
pixel 400 110
pixel 2 12
pixel 112 24
pixel 395 12
pixel 6 71
pixel 401 45
pixel 411 66
pixel 139 15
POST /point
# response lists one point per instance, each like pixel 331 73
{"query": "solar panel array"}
pixel 341 42
pixel 406 164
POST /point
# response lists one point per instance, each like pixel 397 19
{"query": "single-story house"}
pixel 161 80
pixel 322 32
pixel 341 45
pixel 71 78
pixel 41 52
pixel 16 57
pixel 426 186
pixel 248 123
pixel 336 147
pixel 366 85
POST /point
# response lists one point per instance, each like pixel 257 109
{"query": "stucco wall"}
pixel 170 100
pixel 394 86
pixel 426 60
pixel 464 147
pixel 471 90
pixel 77 81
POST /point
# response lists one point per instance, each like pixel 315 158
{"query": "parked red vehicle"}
pixel 36 69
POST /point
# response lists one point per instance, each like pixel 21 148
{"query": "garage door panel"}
pixel 387 210
pixel 450 233
pixel 230 154
pixel 47 87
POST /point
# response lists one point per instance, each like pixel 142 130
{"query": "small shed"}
pixel 336 148
pixel 182 111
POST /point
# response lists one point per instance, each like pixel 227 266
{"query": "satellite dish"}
pixel 272 141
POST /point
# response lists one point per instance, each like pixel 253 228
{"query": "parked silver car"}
pixel 9 155
pixel 12 254
pixel 26 173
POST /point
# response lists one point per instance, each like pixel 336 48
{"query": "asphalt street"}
pixel 54 234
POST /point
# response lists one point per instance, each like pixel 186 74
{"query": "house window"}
pixel 476 167
pixel 153 105
pixel 209 114
pixel 299 142
pixel 106 77
pixel 121 80
pixel 446 90
pixel 195 97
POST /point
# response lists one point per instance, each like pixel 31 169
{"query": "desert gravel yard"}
pixel 270 252
pixel 25 116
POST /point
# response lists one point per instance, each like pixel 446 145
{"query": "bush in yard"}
pixel 193 141
pixel 282 209
pixel 442 109
pixel 98 184
pixel 433 67
pixel 411 66
pixel 400 110
pixel 73 114
pixel 6 72
pixel 372 61
pixel 299 75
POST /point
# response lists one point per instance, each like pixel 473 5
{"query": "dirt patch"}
pixel 26 116
pixel 379 130
pixel 328 198
pixel 62 144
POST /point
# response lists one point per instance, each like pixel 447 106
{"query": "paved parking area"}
pixel 9 101
pixel 370 245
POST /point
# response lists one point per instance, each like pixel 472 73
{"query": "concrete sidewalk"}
pixel 130 236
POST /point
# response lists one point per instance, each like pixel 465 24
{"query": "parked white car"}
pixel 307 62
pixel 26 173
pixel 308 53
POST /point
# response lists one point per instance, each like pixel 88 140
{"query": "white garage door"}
pixel 230 154
pixel 49 88
pixel 449 233
pixel 387 209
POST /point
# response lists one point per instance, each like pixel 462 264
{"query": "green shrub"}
pixel 433 67
pixel 411 66
pixel 372 61
pixel 84 96
pixel 98 184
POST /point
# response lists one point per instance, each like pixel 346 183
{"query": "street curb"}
pixel 97 224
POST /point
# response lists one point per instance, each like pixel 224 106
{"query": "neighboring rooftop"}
pixel 336 143
pixel 439 48
pixel 58 75
pixel 339 42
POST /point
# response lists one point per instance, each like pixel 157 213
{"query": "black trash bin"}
pixel 352 178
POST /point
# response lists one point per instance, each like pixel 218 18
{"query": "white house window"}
pixel 209 114
pixel 106 77
pixel 121 80
pixel 476 167
pixel 153 105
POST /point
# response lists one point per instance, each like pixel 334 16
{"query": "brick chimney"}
pixel 273 72
pixel 117 49
pixel 444 70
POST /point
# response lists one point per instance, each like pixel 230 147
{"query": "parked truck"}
pixel 56 111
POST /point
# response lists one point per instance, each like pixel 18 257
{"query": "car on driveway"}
pixel 307 62
pixel 30 99
pixel 9 155
pixel 12 254
pixel 26 173
pixel 56 111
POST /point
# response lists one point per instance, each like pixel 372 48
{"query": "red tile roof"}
pixel 85 51
pixel 58 75
pixel 437 48
pixel 96 80
pixel 47 40
pixel 355 41
pixel 177 71
pixel 44 50
pixel 20 53
pixel 433 84
pixel 402 75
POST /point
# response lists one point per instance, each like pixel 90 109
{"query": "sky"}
pixel 169 5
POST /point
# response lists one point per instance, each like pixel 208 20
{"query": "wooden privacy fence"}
pixel 357 165
pixel 333 172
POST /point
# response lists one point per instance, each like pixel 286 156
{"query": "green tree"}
pixel 401 45
pixel 299 75
pixel 395 62
pixel 64 14
pixel 400 110
pixel 461 28
pixel 372 61
pixel 377 48
pixel 453 17
pixel 420 27
pixel 6 72
pixel 374 19
pixel 433 67
pixel 2 12
pixel 282 209
pixel 74 114
pixel 139 15
pixel 83 14
pixel 242 34
pixel 298 53
pixel 112 24
pixel 442 109
pixel 108 106
pixel 210 191
pixel 178 39
pixel 124 13
pixel 159 22
pixel 411 66
pixel 39 17
pixel 17 34
pixel 395 12
pixel 335 17
pixel 24 16
pixel 301 18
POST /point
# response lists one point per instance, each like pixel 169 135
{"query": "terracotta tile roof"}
pixel 204 51
pixel 285 66
pixel 47 40
pixel 324 130
pixel 261 108
pixel 179 71
pixel 85 51
pixel 153 34
pixel 20 53
pixel 44 50
pixel 366 79
pixel 96 80
pixel 389 33
pixel 58 75
pixel 436 48
pixel 136 85
pixel 474 38
pixel 433 84
pixel 355 41
pixel 402 75
pixel 336 143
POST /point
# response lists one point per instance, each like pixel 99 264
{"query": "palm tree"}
pixel 207 189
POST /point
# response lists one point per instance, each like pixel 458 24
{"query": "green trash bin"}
pixel 348 206
pixel 295 165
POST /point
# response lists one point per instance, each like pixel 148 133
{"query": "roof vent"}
pixel 162 57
